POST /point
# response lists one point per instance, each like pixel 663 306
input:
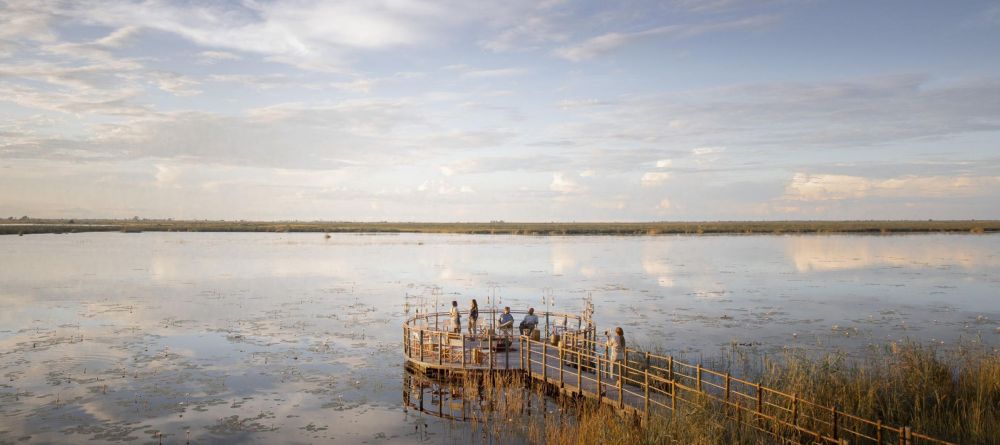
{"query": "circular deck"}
pixel 430 345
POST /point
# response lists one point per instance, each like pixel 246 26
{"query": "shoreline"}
pixel 58 226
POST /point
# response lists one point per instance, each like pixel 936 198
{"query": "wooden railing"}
pixel 657 384
pixel 651 384
pixel 427 341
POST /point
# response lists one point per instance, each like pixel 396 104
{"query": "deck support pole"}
pixel 645 390
pixel 421 345
pixel 621 383
pixel 440 349
pixel 561 385
pixel 699 377
pixel 600 391
pixel 545 362
pixel 463 354
pixel 835 421
pixel 795 413
pixel 579 371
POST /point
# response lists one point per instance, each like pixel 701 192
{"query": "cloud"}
pixel 664 204
pixel 822 187
pixel 664 163
pixel 608 42
pixel 214 56
pixel 563 184
pixel 306 33
pixel 492 73
pixel 653 179
pixel 850 113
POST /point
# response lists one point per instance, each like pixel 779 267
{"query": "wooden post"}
pixel 670 367
pixel 878 432
pixel 908 433
pixel 560 365
pixel 440 348
pixel 547 334
pixel 727 387
pixel 600 391
pixel 621 383
pixel 545 366
pixel 647 359
pixel 406 342
pixel 421 345
pixel 579 370
pixel 795 410
pixel 645 389
pixel 624 366
pixel 463 353
pixel 507 343
pixel 699 377
pixel 834 410
pixel 489 348
pixel 760 399
pixel 673 396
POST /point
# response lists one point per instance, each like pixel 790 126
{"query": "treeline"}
pixel 33 226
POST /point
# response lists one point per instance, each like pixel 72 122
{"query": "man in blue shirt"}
pixel 529 323
pixel 506 322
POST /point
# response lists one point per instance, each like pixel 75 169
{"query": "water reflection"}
pixel 264 338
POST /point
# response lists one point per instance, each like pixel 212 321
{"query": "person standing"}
pixel 616 351
pixel 473 317
pixel 456 318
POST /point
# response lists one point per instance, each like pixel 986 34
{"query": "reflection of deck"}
pixel 652 385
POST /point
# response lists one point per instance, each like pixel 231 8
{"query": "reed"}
pixel 952 395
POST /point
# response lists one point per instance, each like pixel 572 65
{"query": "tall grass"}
pixel 952 395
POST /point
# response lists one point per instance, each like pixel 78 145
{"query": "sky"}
pixel 521 110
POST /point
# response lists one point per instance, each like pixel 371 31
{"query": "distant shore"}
pixel 37 226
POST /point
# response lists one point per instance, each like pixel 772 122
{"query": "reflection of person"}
pixel 529 322
pixel 506 322
pixel 456 318
pixel 616 350
pixel 473 317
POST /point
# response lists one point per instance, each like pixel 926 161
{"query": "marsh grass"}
pixel 504 228
pixel 952 395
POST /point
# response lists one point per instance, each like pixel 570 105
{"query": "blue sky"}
pixel 518 110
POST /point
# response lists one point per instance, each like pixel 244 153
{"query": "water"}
pixel 266 338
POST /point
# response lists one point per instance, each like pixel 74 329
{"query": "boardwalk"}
pixel 651 385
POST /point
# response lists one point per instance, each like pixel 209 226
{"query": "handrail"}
pixel 654 381
pixel 657 381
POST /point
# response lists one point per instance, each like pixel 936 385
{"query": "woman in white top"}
pixel 616 351
pixel 456 318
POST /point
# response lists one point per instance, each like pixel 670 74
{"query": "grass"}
pixel 951 395
pixel 31 226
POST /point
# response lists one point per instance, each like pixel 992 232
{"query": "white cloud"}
pixel 562 184
pixel 587 173
pixel 664 204
pixel 652 179
pixel 822 187
pixel 219 55
pixel 664 163
pixel 491 73
pixel 611 41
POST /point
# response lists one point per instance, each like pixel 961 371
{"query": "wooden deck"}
pixel 652 385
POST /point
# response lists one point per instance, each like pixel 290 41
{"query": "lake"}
pixel 296 338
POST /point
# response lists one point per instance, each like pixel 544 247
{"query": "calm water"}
pixel 265 338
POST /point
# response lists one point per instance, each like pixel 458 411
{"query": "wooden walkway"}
pixel 644 384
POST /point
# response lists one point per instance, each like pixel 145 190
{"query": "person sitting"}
pixel 529 323
pixel 506 322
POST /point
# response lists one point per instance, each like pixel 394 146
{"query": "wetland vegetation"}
pixel 30 226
